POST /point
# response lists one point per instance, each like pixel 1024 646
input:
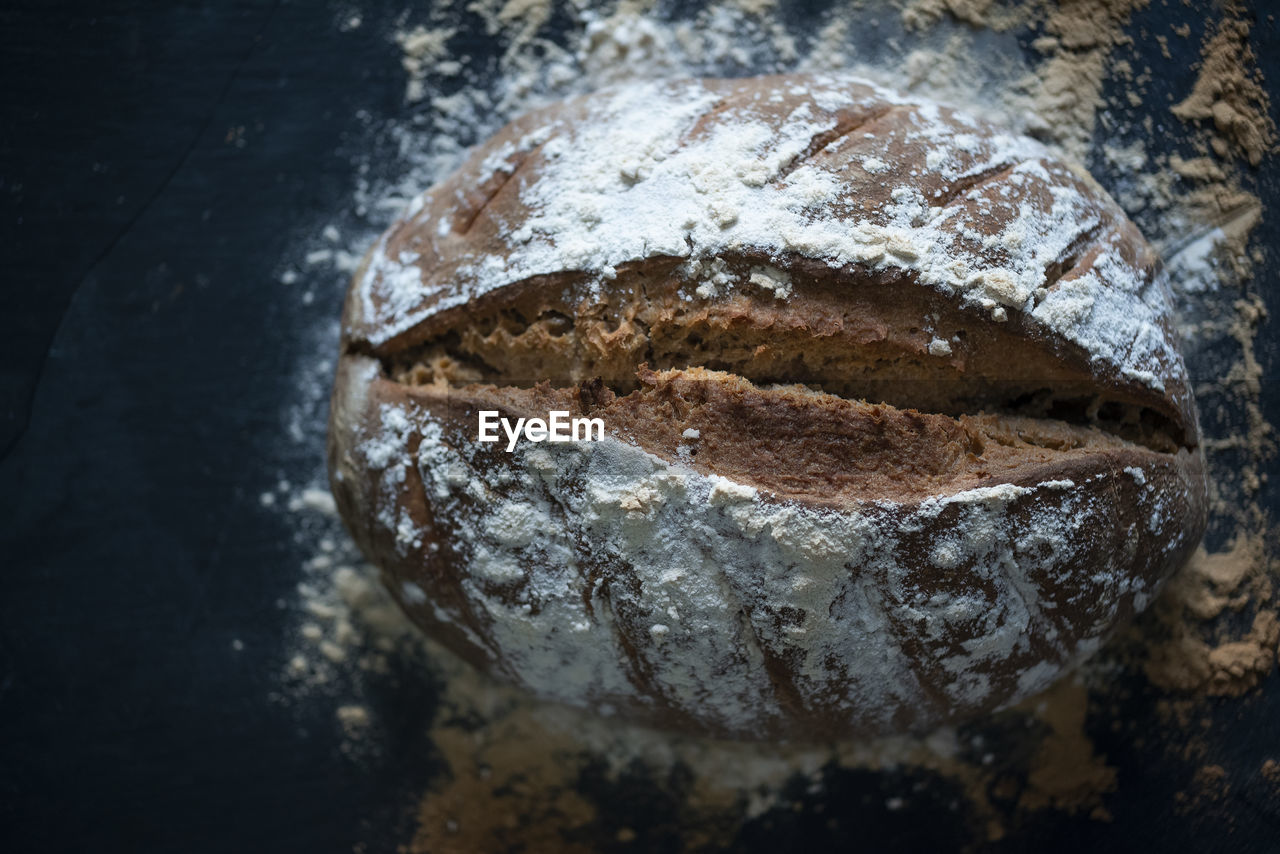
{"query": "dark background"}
pixel 145 349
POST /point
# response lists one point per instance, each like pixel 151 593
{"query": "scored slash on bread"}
pixel 896 428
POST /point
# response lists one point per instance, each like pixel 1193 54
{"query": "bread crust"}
pixel 815 514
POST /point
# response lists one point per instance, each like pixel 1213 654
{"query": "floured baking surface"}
pixel 1194 205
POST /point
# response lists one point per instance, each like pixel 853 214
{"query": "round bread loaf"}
pixel 895 427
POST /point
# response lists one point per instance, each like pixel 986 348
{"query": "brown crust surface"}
pixel 979 501
pixel 1128 532
pixel 467 223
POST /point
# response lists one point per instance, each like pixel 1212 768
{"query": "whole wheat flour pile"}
pixel 1177 149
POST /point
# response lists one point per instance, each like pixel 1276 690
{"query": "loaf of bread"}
pixel 895 429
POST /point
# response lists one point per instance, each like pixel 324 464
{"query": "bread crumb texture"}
pixel 522 774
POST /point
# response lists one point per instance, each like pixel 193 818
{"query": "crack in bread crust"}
pixel 969 183
pixel 908 348
pixel 796 443
pixel 844 127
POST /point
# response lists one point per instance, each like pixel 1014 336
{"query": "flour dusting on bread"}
pixel 696 178
pixel 820 563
